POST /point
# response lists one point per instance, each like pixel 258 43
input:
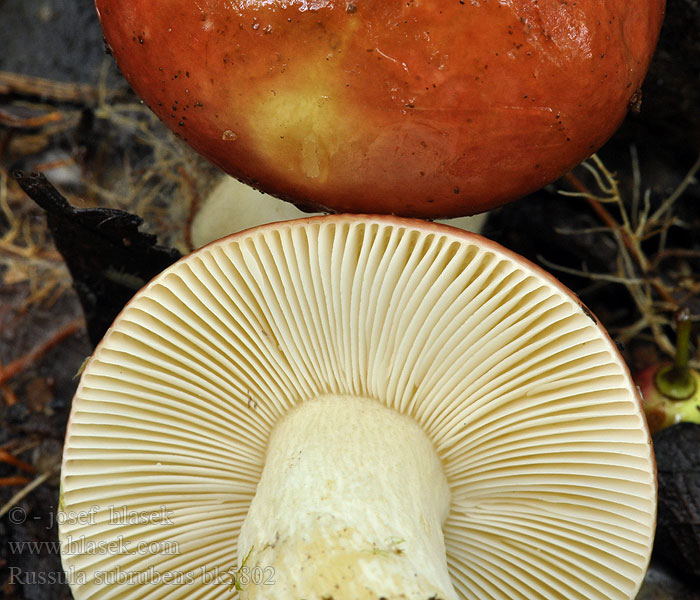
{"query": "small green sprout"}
pixel 236 578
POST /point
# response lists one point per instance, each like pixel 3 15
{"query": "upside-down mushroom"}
pixel 357 407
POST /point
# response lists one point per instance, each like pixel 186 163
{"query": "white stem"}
pixel 350 505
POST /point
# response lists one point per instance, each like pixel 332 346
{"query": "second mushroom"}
pixel 357 408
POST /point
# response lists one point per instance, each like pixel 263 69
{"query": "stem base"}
pixel 350 505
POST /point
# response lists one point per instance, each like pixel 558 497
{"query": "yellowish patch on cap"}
pixel 305 116
pixel 301 128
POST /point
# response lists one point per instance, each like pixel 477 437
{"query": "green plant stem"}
pixel 676 381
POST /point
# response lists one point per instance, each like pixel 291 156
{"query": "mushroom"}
pixel 356 407
pixel 422 109
pixel 233 206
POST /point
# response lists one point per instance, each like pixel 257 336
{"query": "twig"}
pixel 194 204
pixel 8 395
pixel 582 231
pixel 688 180
pixel 675 253
pixel 609 220
pixel 11 119
pixel 38 87
pixel 636 186
pixel 11 459
pixel 652 296
pixel 587 274
pixel 19 446
pixel 24 492
pixel 18 365
pixel 624 233
pixel 14 480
